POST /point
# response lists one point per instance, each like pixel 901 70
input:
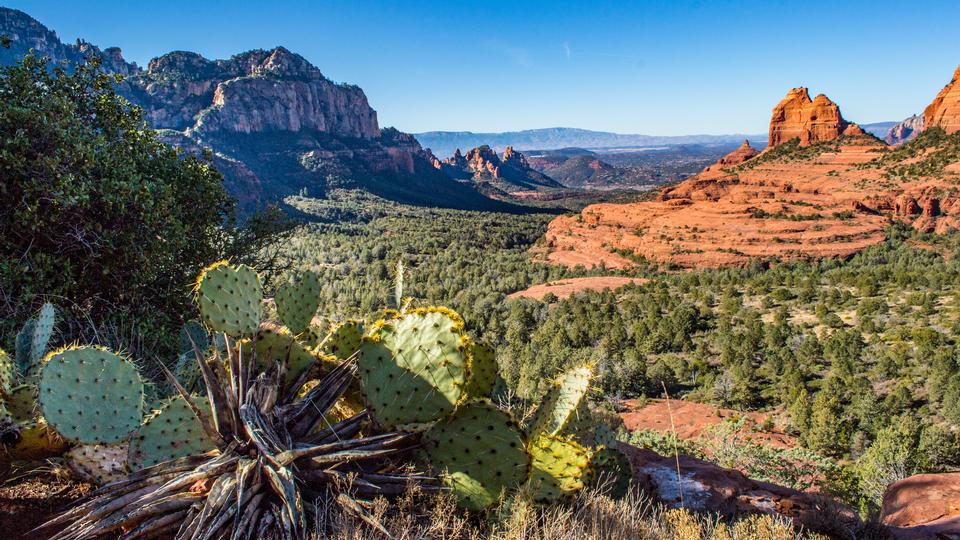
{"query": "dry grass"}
pixel 591 517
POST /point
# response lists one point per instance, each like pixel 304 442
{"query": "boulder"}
pixel 923 506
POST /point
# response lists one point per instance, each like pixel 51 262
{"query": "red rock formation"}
pixel 944 111
pixel 853 130
pixel 483 161
pixel 923 506
pixel 905 131
pixel 738 156
pixel 799 117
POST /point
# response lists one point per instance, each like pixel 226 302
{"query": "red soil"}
pixel 564 288
pixel 693 420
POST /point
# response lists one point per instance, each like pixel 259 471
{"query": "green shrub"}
pixel 100 216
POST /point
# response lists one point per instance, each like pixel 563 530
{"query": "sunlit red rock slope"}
pixel 822 189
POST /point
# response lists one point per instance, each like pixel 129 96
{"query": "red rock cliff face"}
pixel 799 117
pixel 905 131
pixel 738 156
pixel 944 111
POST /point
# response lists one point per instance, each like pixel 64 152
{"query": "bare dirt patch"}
pixel 694 420
pixel 32 499
pixel 564 288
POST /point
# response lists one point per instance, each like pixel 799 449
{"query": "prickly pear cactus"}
pixel 414 368
pixel 483 370
pixel 192 333
pixel 187 372
pixel 21 402
pixel 297 301
pixel 36 441
pixel 8 372
pixel 481 448
pixel 24 353
pixel 560 468
pixel 229 298
pixel 91 395
pixel 168 433
pixel 42 330
pixel 612 472
pixel 344 339
pixel 276 345
pixel 562 401
pixel 99 463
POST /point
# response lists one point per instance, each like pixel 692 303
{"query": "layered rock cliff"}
pixel 511 172
pixel 905 130
pixel 944 111
pixel 273 123
pixel 810 120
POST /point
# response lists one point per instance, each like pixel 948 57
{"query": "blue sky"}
pixel 664 68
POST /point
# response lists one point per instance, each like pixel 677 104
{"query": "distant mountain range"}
pixel 446 142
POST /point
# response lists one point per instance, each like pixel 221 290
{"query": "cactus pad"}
pixel 91 395
pixel 172 431
pixel 100 464
pixel 21 402
pixel 612 472
pixel 560 468
pixel 344 339
pixel 482 450
pixel 187 372
pixel 414 368
pixel 562 401
pixel 24 352
pixel 193 333
pixel 42 330
pixel 37 441
pixel 8 372
pixel 274 344
pixel 483 370
pixel 229 298
pixel 297 301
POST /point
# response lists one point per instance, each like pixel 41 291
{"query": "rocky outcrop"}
pixel 271 121
pixel 26 33
pixel 853 130
pixel 704 487
pixel 810 121
pixel 905 130
pixel 738 156
pixel 923 506
pixel 511 172
pixel 944 111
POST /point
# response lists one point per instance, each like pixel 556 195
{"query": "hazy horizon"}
pixel 657 68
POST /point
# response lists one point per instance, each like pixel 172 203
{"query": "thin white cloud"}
pixel 566 49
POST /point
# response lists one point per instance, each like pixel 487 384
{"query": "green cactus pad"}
pixel 24 352
pixel 344 339
pixel 21 402
pixel 100 464
pixel 168 433
pixel 483 370
pixel 562 401
pixel 91 395
pixel 37 441
pixel 481 448
pixel 187 372
pixel 193 333
pixel 561 467
pixel 414 368
pixel 42 330
pixel 8 372
pixel 229 298
pixel 297 301
pixel 612 472
pixel 273 344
